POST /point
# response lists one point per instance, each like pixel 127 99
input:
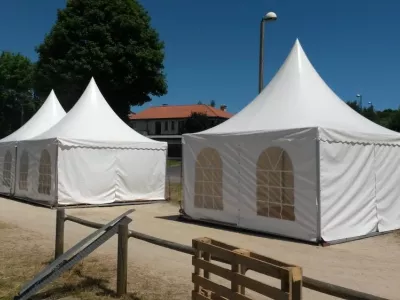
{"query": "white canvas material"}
pixel 94 158
pixel 345 167
pixel 50 113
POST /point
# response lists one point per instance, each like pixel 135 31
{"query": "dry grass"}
pixel 23 254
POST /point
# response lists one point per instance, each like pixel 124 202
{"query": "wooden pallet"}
pixel 240 260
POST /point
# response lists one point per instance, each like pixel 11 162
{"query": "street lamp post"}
pixel 359 96
pixel 271 16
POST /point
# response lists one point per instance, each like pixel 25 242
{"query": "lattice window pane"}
pixel 45 173
pixel 208 180
pixel 23 171
pixel 7 165
pixel 275 185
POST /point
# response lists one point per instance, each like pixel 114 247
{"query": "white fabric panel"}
pixel 348 201
pixel 228 151
pixel 297 97
pixel 387 165
pixel 34 150
pixel 92 121
pixel 10 147
pixel 99 176
pixel 49 114
pixel 301 148
pixel 141 174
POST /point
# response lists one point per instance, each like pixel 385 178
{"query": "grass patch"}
pixel 175 192
pixel 24 254
pixel 173 163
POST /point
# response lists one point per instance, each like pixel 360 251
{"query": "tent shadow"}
pixel 181 219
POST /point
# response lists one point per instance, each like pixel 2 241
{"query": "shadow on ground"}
pixel 87 283
pixel 179 218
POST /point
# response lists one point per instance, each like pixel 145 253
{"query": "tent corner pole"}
pixel 56 176
pixel 318 187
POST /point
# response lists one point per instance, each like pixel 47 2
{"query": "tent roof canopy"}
pixel 50 113
pixel 297 97
pixel 92 122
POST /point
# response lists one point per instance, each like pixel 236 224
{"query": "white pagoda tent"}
pixel 297 161
pixel 49 114
pixel 92 157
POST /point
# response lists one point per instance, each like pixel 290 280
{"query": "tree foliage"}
pixel 111 40
pixel 16 95
pixel 388 118
pixel 197 122
pixel 212 103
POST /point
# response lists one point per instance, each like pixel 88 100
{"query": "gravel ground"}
pixel 370 265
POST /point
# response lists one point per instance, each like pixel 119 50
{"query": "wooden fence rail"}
pixel 310 283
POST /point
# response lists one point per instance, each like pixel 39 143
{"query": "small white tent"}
pixel 49 114
pixel 92 157
pixel 297 161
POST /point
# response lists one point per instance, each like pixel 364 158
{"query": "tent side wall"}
pixel 359 186
pixel 7 167
pixel 268 182
pixel 387 167
pixel 91 175
pixel 36 175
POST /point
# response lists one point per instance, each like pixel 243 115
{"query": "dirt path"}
pixel 370 265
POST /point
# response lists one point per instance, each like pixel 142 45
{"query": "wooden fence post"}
pixel 297 283
pixel 122 264
pixel 60 220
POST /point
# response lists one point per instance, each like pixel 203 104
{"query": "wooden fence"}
pixel 240 261
pixel 306 282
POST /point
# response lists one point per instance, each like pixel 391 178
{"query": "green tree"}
pixel 212 103
pixel 16 94
pixel 111 40
pixel 199 103
pixel 197 122
pixel 394 121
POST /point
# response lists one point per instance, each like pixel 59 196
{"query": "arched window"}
pixel 208 180
pixel 275 185
pixel 45 173
pixel 23 171
pixel 7 165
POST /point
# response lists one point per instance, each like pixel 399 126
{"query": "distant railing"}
pixel 309 283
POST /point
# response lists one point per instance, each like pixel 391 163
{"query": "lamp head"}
pixel 271 16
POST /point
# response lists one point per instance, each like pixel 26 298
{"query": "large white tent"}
pixel 92 157
pixel 298 162
pixel 49 114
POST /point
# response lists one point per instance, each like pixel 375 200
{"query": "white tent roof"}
pixel 297 97
pixel 92 122
pixel 50 113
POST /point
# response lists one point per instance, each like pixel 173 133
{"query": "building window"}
pixel 208 180
pixel 181 126
pixel 166 125
pixel 172 125
pixel 45 173
pixel 275 185
pixel 23 171
pixel 7 165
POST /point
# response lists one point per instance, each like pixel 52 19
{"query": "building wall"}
pixel 166 126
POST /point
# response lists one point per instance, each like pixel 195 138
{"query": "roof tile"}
pixel 179 112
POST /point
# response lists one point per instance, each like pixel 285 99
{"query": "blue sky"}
pixel 212 46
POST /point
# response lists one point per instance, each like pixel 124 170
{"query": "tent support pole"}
pixel 56 177
pixel 318 188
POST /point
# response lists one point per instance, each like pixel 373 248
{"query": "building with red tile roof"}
pixel 166 122
pixel 180 112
